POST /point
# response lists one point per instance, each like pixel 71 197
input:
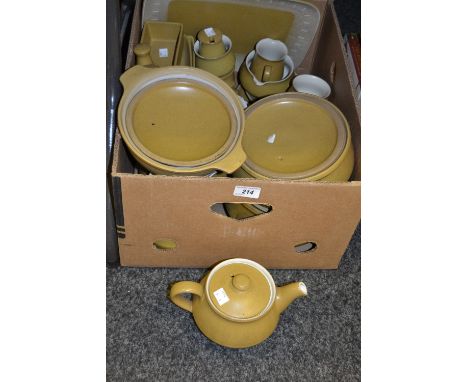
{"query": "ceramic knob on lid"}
pixel 241 282
pixel 142 53
pixel 240 290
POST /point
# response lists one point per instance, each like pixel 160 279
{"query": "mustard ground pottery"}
pixel 236 304
pixel 310 84
pixel 142 53
pixel 268 61
pixel 165 40
pixel 211 42
pixel 187 56
pixel 242 96
pixel 259 89
pixel 219 66
pixel 181 120
pixel 294 136
pixel 295 22
pixel 230 79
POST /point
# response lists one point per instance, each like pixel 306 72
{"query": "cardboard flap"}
pixel 330 64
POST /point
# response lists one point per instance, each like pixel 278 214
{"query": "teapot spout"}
pixel 288 293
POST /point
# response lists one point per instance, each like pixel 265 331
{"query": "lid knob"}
pixel 241 282
pixel 142 52
pixel 141 49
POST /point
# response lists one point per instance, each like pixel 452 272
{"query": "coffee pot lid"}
pixel 210 35
pixel 240 289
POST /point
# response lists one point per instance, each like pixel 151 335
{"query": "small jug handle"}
pixel 266 73
pixel 181 287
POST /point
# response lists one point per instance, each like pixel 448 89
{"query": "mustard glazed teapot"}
pixel 236 304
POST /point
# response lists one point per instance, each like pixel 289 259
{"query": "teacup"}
pixel 219 66
pixel 257 89
pixel 310 84
pixel 211 43
pixel 268 62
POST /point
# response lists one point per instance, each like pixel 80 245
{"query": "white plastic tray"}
pixel 301 35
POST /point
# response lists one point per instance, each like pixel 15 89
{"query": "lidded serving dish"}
pixel 181 120
pixel 294 136
pixel 299 137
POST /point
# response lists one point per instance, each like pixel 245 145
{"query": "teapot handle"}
pixel 181 287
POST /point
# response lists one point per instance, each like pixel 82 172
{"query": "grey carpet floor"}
pixel 317 339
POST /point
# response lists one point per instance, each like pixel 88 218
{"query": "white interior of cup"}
pixel 310 84
pixel 271 50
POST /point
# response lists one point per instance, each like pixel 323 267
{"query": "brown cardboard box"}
pixel 151 207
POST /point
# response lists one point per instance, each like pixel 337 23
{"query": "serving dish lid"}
pixel 181 119
pixel 180 123
pixel 240 289
pixel 294 136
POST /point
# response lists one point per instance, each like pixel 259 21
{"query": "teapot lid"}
pixel 240 289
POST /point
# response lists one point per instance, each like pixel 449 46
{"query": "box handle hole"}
pixel 308 246
pixel 241 211
pixel 164 244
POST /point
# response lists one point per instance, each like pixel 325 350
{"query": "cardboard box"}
pixel 149 208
